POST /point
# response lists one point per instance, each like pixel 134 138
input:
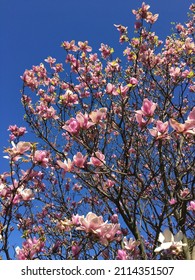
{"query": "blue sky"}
pixel 31 30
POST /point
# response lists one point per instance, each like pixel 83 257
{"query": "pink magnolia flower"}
pixel 41 158
pixel 168 241
pixel 185 128
pixel 17 131
pixel 17 150
pixel 75 219
pixel 64 225
pixel 75 63
pixel 75 250
pixel 84 46
pixel 175 73
pixel 131 56
pixel 26 194
pixel 133 82
pixel 143 13
pixel 69 46
pixel 189 45
pixel 83 121
pixel 98 115
pixel 180 27
pixel 111 89
pixel 122 29
pixel 21 147
pixel 58 67
pixel 106 51
pixel 97 160
pixel 72 126
pixel 29 249
pixel 109 183
pixel 7 190
pixel 68 99
pixel 113 66
pixel 30 79
pixel 141 122
pixel 122 255
pixel 160 131
pixel 77 187
pixel 67 165
pixel 50 60
pixel 151 18
pixel 93 57
pixel 122 90
pixel 107 233
pixel 148 108
pixel 40 71
pixel 191 207
pixel 91 223
pixel 130 245
pixel 95 224
pixel 16 199
pixel 16 192
pixel 172 201
pixel 79 160
pixel 46 112
pixel 192 7
pixel 177 126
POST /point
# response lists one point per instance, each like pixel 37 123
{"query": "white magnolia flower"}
pixel 167 241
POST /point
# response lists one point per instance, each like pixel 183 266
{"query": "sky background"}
pixel 32 30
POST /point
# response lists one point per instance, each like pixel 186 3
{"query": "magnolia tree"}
pixel 109 173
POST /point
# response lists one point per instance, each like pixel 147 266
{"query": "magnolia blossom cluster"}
pixel 16 193
pixel 18 150
pixel 160 131
pixel 121 90
pixel 41 157
pixel 16 131
pixel 104 231
pixel 106 51
pixel 85 121
pixel 30 249
pixel 96 160
pixel 23 194
pixel 94 128
pixel 46 112
pixel 144 13
pixel 68 98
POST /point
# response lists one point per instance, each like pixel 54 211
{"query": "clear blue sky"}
pixel 31 30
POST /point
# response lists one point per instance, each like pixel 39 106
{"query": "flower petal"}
pixel 168 235
pixel 178 237
pixel 161 238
